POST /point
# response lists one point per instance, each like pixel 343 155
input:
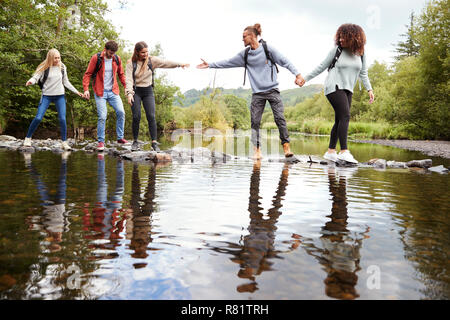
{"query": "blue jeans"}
pixel 114 204
pixel 115 102
pixel 60 102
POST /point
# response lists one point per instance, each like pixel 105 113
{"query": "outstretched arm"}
pixel 167 64
pixel 321 67
pixel 236 61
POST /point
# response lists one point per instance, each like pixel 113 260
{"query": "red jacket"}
pixel 98 84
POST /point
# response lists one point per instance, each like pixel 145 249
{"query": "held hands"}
pixel 299 80
pixel 130 99
pixel 28 83
pixel 86 95
pixel 371 96
pixel 203 65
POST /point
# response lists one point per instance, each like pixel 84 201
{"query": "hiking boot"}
pixel 155 146
pixel 347 156
pixel 330 156
pixel 101 146
pixel 257 153
pixel 66 146
pixel 287 150
pixel 122 141
pixel 135 146
pixel 27 142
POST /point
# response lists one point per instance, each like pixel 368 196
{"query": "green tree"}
pixel 28 30
pixel 240 113
pixel 409 47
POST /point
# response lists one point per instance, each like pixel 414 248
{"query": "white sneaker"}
pixel 66 146
pixel 346 156
pixel 27 142
pixel 330 156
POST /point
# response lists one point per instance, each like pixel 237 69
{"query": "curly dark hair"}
pixel 354 37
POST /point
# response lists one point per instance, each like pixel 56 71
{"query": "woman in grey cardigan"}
pixel 343 72
pixel 51 75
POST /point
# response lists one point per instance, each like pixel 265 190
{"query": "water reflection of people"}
pixel 106 215
pixel 339 251
pixel 139 220
pixel 258 246
pixel 54 217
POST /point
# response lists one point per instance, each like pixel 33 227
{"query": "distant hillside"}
pixel 290 97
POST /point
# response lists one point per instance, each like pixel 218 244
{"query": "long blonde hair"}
pixel 48 62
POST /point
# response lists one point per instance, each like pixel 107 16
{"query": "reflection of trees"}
pixel 339 250
pixel 139 219
pixel 420 203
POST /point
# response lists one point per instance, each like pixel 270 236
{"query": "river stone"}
pixel 292 159
pixel 7 138
pixel 26 149
pixel 439 169
pixel 343 163
pixel 395 164
pixel 426 163
pixel 139 155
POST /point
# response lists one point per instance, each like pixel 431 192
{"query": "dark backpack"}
pixel 44 77
pixel 99 64
pixel 336 57
pixel 268 58
pixel 150 67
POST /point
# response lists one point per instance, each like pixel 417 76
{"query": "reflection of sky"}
pixel 201 216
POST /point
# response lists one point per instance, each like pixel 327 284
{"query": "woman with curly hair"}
pixel 345 62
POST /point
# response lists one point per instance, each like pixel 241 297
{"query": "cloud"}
pixel 301 30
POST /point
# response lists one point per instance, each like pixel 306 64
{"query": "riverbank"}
pixel 433 148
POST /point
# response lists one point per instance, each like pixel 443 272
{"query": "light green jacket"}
pixel 345 72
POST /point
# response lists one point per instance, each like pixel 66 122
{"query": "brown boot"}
pixel 257 153
pixel 287 150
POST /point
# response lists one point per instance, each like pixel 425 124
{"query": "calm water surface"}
pixel 92 227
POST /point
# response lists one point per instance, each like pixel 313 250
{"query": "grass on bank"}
pixel 356 130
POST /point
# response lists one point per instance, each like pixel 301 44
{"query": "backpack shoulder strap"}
pixel 43 78
pixel 269 57
pixel 117 59
pixel 63 68
pixel 336 57
pixel 97 65
pixel 134 63
pixel 245 61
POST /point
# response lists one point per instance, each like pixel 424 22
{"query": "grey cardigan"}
pixel 344 74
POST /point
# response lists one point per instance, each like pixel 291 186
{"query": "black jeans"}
pixel 146 96
pixel 257 108
pixel 341 101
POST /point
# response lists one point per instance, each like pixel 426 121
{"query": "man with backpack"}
pixel 103 68
pixel 260 60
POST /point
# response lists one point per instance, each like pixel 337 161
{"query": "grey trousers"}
pixel 257 109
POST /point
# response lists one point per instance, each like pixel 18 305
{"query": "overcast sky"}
pixel 302 31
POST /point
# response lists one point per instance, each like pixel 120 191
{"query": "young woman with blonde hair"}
pixel 51 75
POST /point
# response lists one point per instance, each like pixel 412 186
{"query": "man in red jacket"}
pixel 103 69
